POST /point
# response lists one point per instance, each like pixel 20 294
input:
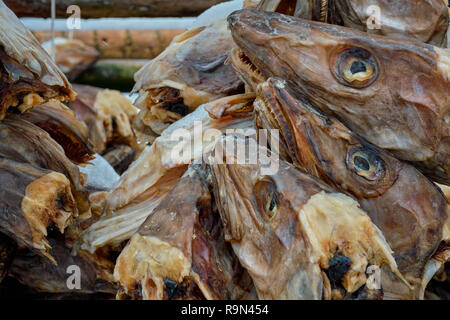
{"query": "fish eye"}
pixel 266 197
pixel 356 68
pixel 366 163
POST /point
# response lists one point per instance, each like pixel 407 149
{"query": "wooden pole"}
pixel 113 8
pixel 120 44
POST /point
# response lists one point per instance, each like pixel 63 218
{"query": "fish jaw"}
pixel 246 70
pixel 380 106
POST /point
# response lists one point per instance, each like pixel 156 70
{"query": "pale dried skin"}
pixel 113 229
pixel 38 273
pixel 404 107
pixel 188 73
pixel 60 122
pixel 72 56
pixel 408 208
pixel 179 251
pixel 27 67
pixel 26 143
pixel 108 116
pixel 32 200
pixel 287 227
pixel 153 175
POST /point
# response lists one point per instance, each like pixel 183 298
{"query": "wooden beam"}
pixel 112 8
pixel 120 44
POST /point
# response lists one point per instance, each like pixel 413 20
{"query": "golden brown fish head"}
pixel 288 228
pixel 392 92
pixel 325 148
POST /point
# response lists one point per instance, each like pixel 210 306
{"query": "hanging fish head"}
pixel 402 202
pixel 392 92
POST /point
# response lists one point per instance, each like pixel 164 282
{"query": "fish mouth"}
pixel 277 107
pixel 160 107
pixel 271 112
pixel 247 71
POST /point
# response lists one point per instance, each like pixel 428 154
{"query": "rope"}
pixel 53 14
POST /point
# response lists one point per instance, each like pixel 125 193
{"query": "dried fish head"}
pixel 26 143
pixel 290 230
pixel 28 76
pixel 359 78
pixel 423 20
pixel 408 208
pixel 188 73
pixel 33 200
pixel 155 172
pixel 316 10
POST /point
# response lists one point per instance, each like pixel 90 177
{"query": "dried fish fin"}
pixel 27 68
pixel 234 106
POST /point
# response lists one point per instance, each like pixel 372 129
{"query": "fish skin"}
pixel 287 227
pixel 406 115
pixel 409 209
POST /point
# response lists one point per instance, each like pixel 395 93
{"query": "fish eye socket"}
pixel 356 68
pixel 266 197
pixel 366 163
